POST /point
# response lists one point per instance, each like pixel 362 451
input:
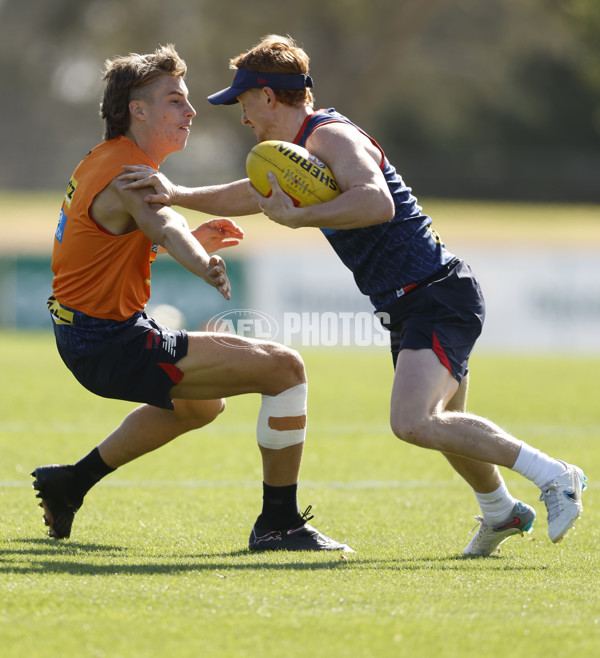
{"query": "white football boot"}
pixel 562 496
pixel 489 537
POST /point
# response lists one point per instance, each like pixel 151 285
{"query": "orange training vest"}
pixel 100 274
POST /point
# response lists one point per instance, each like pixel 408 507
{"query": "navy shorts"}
pixel 132 360
pixel 444 313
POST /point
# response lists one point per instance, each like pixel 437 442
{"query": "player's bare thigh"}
pixel 422 385
pixel 222 365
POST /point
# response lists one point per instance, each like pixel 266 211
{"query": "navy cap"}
pixel 244 80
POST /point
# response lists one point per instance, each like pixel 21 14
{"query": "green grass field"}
pixel 157 564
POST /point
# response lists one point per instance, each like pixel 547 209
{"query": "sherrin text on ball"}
pixel 300 174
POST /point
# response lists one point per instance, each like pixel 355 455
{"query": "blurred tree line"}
pixel 469 98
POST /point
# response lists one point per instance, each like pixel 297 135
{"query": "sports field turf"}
pixel 157 564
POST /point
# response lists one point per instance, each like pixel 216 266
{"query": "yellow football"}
pixel 300 175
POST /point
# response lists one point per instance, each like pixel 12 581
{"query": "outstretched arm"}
pixel 121 211
pixel 231 199
pixel 170 230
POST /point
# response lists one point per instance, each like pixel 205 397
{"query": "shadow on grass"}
pixel 462 563
pixel 46 556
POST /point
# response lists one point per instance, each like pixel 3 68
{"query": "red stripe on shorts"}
pixel 441 355
pixel 173 371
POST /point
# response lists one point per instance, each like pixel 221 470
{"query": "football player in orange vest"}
pixel 106 240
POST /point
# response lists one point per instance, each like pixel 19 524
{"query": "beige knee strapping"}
pixel 282 418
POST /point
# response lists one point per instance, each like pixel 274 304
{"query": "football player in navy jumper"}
pixel 429 298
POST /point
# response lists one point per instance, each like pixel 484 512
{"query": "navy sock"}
pixel 280 508
pixel 89 471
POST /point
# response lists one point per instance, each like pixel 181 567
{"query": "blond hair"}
pixel 127 78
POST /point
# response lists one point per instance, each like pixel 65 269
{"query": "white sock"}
pixel 497 505
pixel 537 466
